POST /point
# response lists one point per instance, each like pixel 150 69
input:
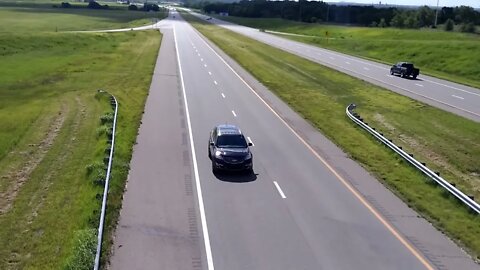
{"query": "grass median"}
pixel 51 134
pixel 445 141
pixel 450 55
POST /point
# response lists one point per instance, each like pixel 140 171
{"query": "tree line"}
pixel 313 11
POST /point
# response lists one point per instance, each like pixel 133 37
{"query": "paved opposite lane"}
pixel 307 206
pixel 453 97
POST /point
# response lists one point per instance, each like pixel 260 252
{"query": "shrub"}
pixel 467 28
pixel 382 23
pixel 449 24
pixel 65 5
pixel 132 7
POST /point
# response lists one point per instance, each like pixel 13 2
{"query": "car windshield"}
pixel 234 141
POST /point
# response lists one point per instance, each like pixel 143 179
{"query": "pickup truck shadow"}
pixel 236 177
pixel 409 78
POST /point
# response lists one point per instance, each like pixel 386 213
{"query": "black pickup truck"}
pixel 404 69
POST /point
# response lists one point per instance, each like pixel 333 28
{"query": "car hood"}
pixel 234 152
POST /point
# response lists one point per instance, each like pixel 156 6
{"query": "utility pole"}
pixel 436 15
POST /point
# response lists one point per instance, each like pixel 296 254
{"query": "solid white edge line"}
pixel 250 141
pixel 234 114
pixel 279 190
pixel 413 251
pixel 201 206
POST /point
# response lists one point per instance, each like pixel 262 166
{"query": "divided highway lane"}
pixel 453 97
pixel 294 213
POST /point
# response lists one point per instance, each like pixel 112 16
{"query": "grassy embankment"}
pixel 51 130
pixel 448 143
pixel 449 55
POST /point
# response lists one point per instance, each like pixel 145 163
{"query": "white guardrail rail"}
pixel 420 166
pixel 114 102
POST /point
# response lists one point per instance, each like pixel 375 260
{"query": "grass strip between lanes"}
pixel 448 143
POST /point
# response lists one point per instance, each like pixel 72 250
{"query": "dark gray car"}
pixel 228 149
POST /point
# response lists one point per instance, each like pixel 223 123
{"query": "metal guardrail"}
pixel 113 100
pixel 420 166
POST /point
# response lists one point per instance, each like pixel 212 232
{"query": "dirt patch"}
pixel 16 177
pixel 469 179
pixel 381 120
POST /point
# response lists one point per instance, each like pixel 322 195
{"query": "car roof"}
pixel 228 129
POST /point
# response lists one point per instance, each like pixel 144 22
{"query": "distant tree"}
pixel 425 16
pixel 95 5
pixel 464 14
pixel 313 19
pixel 449 24
pixel 398 20
pixel 373 24
pixel 411 21
pixel 132 7
pixel 150 7
pixel 382 23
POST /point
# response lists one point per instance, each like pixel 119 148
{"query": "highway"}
pixel 446 95
pixel 306 207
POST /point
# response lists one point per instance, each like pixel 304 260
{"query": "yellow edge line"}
pixel 339 177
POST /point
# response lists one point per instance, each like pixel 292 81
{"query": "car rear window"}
pixel 234 141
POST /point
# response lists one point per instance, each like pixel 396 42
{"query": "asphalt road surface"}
pixel 306 207
pixel 453 97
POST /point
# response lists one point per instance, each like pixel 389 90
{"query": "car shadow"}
pixel 236 177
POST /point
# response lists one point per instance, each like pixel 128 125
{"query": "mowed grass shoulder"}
pixel 73 19
pixel 449 55
pixel 51 134
pixel 448 143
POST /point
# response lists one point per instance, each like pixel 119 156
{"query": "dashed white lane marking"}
pixel 201 59
pixel 348 63
pixel 338 176
pixel 319 53
pixel 201 207
pixel 250 141
pixel 234 114
pixel 215 82
pixel 331 58
pixel 457 97
pixel 198 54
pixel 205 65
pixel 366 68
pixel 279 190
pixel 209 73
pixel 417 84
pixel 223 95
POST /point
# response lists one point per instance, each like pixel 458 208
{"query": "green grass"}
pixel 56 19
pixel 449 55
pixel 445 141
pixel 50 115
